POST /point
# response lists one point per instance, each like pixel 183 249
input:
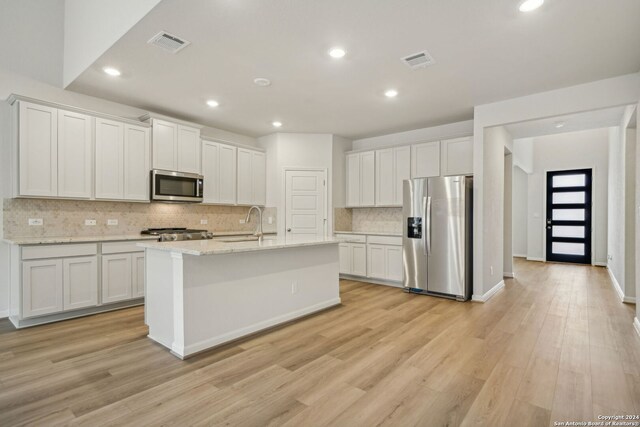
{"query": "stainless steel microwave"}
pixel 170 186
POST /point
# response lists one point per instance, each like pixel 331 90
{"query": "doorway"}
pixel 305 203
pixel 569 196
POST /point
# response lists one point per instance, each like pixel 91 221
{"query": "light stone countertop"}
pixel 213 247
pixel 370 233
pixel 115 238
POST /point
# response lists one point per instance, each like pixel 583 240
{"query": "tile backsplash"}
pixel 67 217
pixel 381 220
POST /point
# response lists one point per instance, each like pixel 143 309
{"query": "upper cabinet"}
pixel 121 161
pixel 425 160
pixel 175 147
pixel 219 170
pixel 393 166
pixel 361 169
pixel 457 156
pixel 55 152
pixel 251 177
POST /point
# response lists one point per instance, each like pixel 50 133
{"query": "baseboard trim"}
pixel 618 289
pixel 371 280
pixel 508 275
pixel 636 325
pixel 490 293
pixel 519 255
pixel 530 258
pixel 4 314
pixel 189 350
pixel 600 264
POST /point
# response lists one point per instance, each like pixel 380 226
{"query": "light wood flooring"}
pixel 555 345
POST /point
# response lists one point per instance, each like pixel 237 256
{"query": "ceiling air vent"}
pixel 419 60
pixel 169 42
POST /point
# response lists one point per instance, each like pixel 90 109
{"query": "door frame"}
pixel 594 200
pixel 284 193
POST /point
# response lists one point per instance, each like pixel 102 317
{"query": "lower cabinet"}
pixel 41 287
pixel 137 275
pixel 116 278
pixel 376 257
pixel 353 259
pixel 385 262
pixel 79 282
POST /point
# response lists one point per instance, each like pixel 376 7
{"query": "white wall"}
pixel 630 214
pixel 508 216
pixel 340 146
pixel 523 154
pixel 571 150
pixel 93 26
pixel 35 27
pixel 452 130
pixel 5 190
pixel 623 90
pixel 520 199
pixel 296 150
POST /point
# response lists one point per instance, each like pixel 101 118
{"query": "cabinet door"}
pixel 116 278
pixel 376 261
pixel 137 274
pixel 359 259
pixel 244 177
pixel 38 148
pixel 165 145
pixel 227 177
pixel 457 156
pixel 211 171
pixel 258 178
pixel 188 149
pixel 41 287
pixel 367 178
pixel 75 171
pixel 136 163
pixel 385 182
pixel 401 170
pixel 425 160
pixel 109 159
pixel 80 282
pixel 393 259
pixel 353 179
pixel 345 258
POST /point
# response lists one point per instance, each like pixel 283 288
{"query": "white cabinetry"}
pixel 41 287
pixel 122 161
pixel 425 160
pixel 38 148
pixel 116 278
pixel 393 165
pixel 219 171
pixel 353 255
pixel 251 177
pixel 361 171
pixel 384 262
pixel 373 256
pixel 80 282
pixel 75 172
pixel 137 275
pixel 457 156
pixel 175 147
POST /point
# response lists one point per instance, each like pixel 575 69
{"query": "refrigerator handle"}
pixel 427 234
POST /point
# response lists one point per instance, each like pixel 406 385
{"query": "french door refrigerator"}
pixel 437 237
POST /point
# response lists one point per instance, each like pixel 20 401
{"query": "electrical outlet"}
pixel 35 221
pixel 294 287
pixel 242 221
pixel 89 222
pixel 204 221
pixel 270 220
pixel 112 222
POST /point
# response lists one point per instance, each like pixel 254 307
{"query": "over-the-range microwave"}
pixel 170 186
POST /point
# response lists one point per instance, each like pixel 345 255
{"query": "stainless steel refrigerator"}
pixel 437 238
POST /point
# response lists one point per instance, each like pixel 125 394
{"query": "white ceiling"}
pixel 485 51
pixel 572 122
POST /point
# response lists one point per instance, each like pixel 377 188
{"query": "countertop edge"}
pixel 231 247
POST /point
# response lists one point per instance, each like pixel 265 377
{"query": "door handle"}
pixel 288 230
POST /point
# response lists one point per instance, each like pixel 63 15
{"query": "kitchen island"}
pixel 201 294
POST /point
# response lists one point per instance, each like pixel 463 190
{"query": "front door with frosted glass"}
pixel 569 216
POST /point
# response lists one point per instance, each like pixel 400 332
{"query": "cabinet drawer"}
pixel 353 237
pixel 121 247
pixel 59 251
pixel 385 240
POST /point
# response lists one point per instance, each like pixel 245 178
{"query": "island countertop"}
pixel 216 247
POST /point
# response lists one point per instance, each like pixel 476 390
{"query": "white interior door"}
pixel 305 212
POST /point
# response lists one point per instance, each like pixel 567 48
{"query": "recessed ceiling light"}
pixel 212 103
pixel 529 5
pixel 559 125
pixel 391 93
pixel 337 52
pixel 111 71
pixel 276 124
pixel 261 81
